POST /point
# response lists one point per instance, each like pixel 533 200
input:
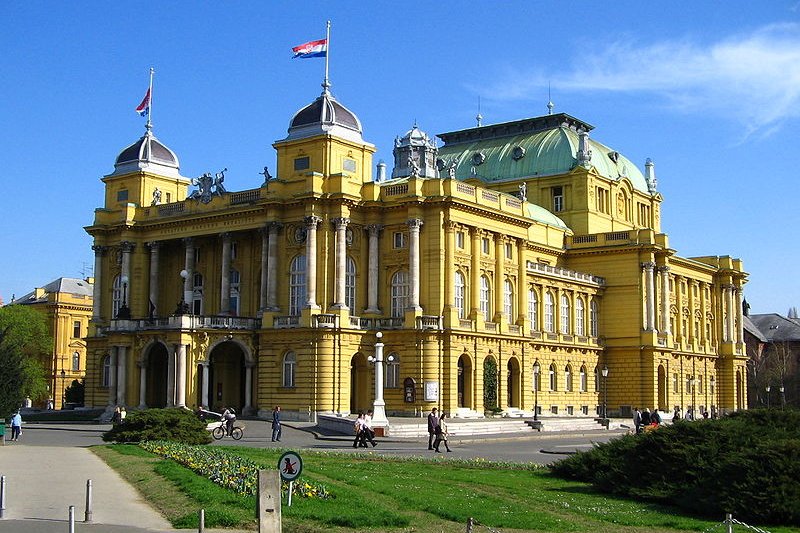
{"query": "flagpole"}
pixel 149 124
pixel 326 84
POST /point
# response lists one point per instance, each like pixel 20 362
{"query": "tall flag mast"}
pixel 316 49
pixel 145 108
pixel 326 84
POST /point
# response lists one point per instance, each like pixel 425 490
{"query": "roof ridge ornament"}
pixel 650 175
pixel 584 154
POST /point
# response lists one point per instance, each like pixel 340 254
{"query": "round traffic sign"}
pixel 290 465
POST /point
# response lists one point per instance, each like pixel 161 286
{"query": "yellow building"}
pixel 66 304
pixel 513 247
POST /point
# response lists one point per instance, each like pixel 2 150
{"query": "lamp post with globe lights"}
pixel 124 312
pixel 604 372
pixel 183 305
pixel 379 405
pixel 536 370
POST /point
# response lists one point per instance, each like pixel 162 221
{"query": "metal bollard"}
pixel 87 515
pixel 2 495
pixel 71 519
pixel 202 526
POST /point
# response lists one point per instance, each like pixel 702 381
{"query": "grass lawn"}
pixel 425 495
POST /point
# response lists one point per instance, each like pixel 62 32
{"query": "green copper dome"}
pixel 524 149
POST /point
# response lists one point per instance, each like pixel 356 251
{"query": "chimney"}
pixel 381 176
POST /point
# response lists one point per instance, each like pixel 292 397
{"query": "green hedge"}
pixel 746 464
pixel 174 425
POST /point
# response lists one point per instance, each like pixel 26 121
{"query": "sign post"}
pixel 290 465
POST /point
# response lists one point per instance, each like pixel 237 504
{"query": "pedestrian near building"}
pixel 441 434
pixel 655 417
pixel 369 434
pixel 359 429
pixel 433 423
pixel 646 417
pixel 637 420
pixel 116 418
pixel 276 424
pixel 16 426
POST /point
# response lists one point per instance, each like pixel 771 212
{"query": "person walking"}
pixel 433 423
pixel 646 417
pixel 359 429
pixel 655 417
pixel 16 426
pixel 116 418
pixel 441 434
pixel 637 420
pixel 276 424
pixel 369 434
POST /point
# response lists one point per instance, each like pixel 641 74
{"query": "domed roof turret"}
pixel 148 153
pixel 325 115
pixel 414 155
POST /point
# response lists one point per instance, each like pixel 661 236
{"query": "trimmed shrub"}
pixel 746 464
pixel 174 425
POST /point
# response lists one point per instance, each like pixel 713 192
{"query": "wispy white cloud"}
pixel 752 78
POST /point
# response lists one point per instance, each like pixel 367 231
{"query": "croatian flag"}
pixel 144 108
pixel 311 49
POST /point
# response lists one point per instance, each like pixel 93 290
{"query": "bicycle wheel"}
pixel 218 432
pixel 237 433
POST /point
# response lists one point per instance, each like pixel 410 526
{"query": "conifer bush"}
pixel 174 425
pixel 747 464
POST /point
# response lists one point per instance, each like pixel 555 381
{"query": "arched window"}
pixel 580 323
pixel 553 378
pixel 508 301
pixel 392 380
pixel 568 378
pixel 297 285
pixel 197 294
pixel 533 309
pixel 350 284
pixel 549 326
pixel 583 379
pixel 486 299
pixel 76 361
pixel 116 296
pixel 289 369
pixel 399 293
pixel 105 380
pixel 460 293
pixel 594 317
pixel 234 292
pixel 565 329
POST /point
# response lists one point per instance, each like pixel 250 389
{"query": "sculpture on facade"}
pixel 523 192
pixel 451 168
pixel 413 166
pixel 204 185
pixel 156 197
pixel 267 176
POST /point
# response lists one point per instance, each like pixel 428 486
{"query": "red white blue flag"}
pixel 311 49
pixel 144 108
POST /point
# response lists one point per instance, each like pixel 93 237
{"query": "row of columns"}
pixel 118 377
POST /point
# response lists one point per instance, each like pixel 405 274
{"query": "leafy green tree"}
pixel 11 364
pixel 75 392
pixel 26 342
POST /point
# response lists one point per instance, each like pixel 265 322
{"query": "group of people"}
pixel 119 415
pixel 363 430
pixel 437 430
pixel 645 420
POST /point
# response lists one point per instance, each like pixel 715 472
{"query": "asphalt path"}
pixel 542 448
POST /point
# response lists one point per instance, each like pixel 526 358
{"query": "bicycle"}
pixel 220 431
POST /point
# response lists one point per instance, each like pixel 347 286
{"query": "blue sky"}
pixel 709 90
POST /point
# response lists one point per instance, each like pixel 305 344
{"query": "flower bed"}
pixel 227 470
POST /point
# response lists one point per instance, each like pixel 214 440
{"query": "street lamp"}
pixel 783 398
pixel 768 389
pixel 379 406
pixel 124 313
pixel 183 305
pixel 536 370
pixel 604 371
pixel 63 388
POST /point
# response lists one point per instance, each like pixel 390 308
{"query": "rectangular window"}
pixel 509 251
pixel 485 245
pixel 460 240
pixel 602 200
pixel 168 196
pixel 233 251
pixel 399 239
pixel 122 196
pixel 76 329
pixel 302 163
pixel 558 199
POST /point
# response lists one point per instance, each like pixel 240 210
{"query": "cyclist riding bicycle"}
pixel 229 417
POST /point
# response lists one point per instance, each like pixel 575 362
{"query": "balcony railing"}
pixel 185 322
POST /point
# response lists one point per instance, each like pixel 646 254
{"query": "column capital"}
pixel 274 225
pixel 99 250
pixel 340 222
pixel 414 223
pixel 648 265
pixel 153 245
pixel 312 221
pixel 127 246
pixel 664 269
pixel 226 235
pixel 188 241
pixel 374 229
pixel 450 226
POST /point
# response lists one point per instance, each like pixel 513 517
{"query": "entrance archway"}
pixel 465 382
pixel 359 383
pixel 226 377
pixel 157 376
pixel 662 389
pixel 512 383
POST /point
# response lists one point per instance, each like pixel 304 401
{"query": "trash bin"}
pixel 3 431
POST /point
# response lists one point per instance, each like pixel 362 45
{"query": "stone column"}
pixel 142 384
pixel 272 262
pixel 188 266
pixel 729 314
pixel 738 315
pixel 374 231
pixel 311 260
pixel 225 282
pixel 522 282
pixel 650 296
pixel 664 270
pixel 97 287
pixel 121 374
pixel 414 226
pixel 449 264
pixel 204 381
pixel 112 377
pixel 171 380
pixel 499 280
pixel 248 385
pixel 180 375
pixel 153 303
pixel 127 249
pixel 475 274
pixel 262 289
pixel 340 251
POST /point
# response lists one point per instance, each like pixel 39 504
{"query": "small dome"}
pixel 414 137
pixel 325 116
pixel 148 153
